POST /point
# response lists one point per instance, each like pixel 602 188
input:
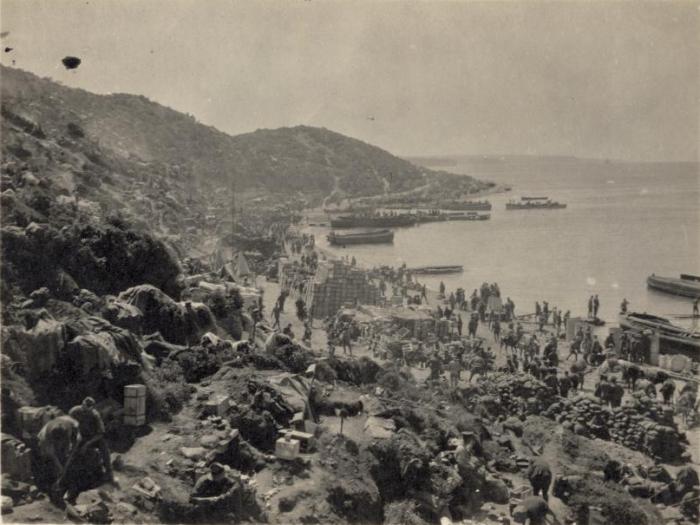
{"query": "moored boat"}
pixel 686 285
pixel 430 270
pixel 668 332
pixel 367 237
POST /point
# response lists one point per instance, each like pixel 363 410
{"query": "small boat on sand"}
pixel 434 270
pixel 687 285
pixel 364 237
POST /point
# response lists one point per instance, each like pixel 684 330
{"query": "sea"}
pixel 623 222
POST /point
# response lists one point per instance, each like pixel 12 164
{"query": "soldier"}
pixel 218 491
pixel 667 389
pixel 57 440
pixel 92 431
pixel 540 476
pixel 616 393
pixel 532 510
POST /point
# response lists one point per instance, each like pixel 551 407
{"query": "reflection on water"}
pixel 624 221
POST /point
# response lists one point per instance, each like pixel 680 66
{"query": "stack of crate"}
pixel 135 405
pixel 337 283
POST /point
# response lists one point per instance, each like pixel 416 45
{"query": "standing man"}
pixel 92 432
pixel 455 370
pixel 347 342
pixel 590 306
pixel 276 316
pixel 696 308
pixel 667 389
pixel 459 325
pixel 596 306
pixel 623 306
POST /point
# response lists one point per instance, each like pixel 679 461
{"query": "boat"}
pixel 686 285
pixel 366 237
pixel 374 221
pixel 466 205
pixel 534 203
pixel 668 332
pixel 433 270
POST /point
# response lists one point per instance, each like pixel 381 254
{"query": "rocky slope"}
pixel 301 158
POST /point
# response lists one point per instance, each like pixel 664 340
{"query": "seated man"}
pixel 218 491
pixel 533 511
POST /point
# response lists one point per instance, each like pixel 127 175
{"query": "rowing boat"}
pixel 687 285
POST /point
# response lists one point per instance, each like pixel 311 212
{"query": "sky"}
pixel 588 79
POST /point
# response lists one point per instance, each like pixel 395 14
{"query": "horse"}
pixel 510 341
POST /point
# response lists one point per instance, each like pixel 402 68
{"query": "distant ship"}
pixel 534 203
pixel 367 237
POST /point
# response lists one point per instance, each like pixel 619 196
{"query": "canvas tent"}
pixel 237 269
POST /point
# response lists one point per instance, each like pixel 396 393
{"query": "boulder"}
pixel 37 349
pixel 495 490
pixel 123 315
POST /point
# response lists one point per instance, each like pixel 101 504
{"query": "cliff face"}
pixel 307 159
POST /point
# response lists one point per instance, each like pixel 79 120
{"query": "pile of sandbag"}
pixel 518 393
pixel 583 415
pixel 638 431
pixel 639 427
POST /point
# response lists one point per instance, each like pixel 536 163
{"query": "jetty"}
pixel 435 270
pixel 668 332
pixel 364 237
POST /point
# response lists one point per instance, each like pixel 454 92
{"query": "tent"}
pixel 238 269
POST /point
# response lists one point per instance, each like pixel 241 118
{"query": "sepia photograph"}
pixel 369 262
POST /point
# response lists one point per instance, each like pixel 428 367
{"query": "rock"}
pixel 95 513
pixel 40 297
pixel 127 508
pixel 6 504
pixel 287 503
pixel 515 425
pixel 194 453
pixel 496 490
pixel 210 441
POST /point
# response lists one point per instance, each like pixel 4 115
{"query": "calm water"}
pixel 624 221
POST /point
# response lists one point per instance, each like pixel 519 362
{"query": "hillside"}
pixel 311 160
